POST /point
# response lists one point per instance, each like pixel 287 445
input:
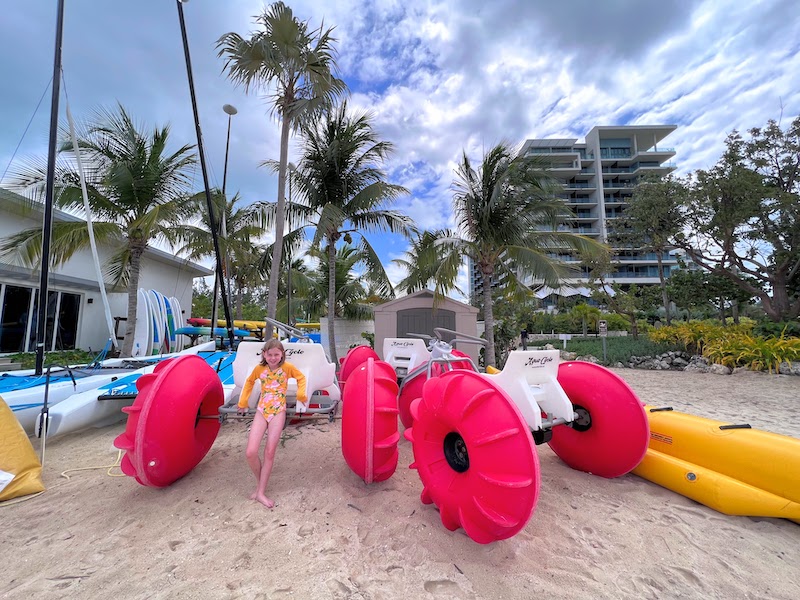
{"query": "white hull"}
pixel 26 404
pixel 82 410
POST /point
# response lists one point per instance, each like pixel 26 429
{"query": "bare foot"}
pixel 253 495
pixel 265 501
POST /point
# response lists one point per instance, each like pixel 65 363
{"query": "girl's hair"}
pixel 273 343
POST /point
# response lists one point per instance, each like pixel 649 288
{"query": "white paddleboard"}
pixel 142 335
pixel 158 324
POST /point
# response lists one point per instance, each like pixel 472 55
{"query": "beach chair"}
pixel 530 378
pixel 323 392
pixel 404 354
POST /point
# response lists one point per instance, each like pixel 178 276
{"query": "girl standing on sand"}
pixel 274 373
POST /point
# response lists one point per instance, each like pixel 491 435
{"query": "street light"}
pixel 229 110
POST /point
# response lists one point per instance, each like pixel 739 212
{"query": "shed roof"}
pixel 446 303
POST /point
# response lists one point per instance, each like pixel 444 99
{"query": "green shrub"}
pixel 771 329
pixel 692 336
pixel 59 358
pixel 754 352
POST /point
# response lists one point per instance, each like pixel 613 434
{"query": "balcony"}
pixel 579 185
pixel 614 153
pixel 618 184
pixel 590 201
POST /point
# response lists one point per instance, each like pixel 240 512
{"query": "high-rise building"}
pixel 598 176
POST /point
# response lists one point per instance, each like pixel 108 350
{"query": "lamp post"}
pixel 229 110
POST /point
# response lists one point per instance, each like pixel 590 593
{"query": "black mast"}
pixel 211 219
pixel 47 224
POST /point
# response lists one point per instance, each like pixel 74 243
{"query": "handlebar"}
pixel 288 329
pixel 459 337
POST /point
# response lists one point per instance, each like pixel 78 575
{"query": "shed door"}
pixel 423 320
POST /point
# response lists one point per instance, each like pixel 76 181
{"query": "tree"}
pixel 238 247
pixel 420 262
pixel 627 302
pixel 298 65
pixel 354 300
pixel 136 191
pixel 651 220
pixel 586 314
pixel 744 217
pixel 343 194
pixel 507 217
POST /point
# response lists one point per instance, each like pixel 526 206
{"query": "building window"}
pixel 19 313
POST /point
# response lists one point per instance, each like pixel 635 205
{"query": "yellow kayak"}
pixel 733 469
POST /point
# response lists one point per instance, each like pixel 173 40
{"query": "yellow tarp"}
pixel 18 461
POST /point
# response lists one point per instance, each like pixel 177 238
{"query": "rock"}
pixel 679 362
pixel 792 368
pixel 695 367
pixel 568 355
pixel 717 369
pixel 619 365
pixel 589 358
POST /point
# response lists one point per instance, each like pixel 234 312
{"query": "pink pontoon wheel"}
pixel 369 421
pixel 355 358
pixel 610 436
pixel 475 456
pixel 166 435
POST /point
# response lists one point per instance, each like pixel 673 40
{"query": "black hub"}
pixel 584 420
pixel 542 436
pixel 455 451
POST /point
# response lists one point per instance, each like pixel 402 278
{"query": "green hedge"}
pixel 618 349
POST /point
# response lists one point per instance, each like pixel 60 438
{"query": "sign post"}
pixel 564 337
pixel 602 329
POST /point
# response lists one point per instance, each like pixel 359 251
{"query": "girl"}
pixel 273 372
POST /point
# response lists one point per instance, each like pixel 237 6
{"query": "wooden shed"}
pixel 415 314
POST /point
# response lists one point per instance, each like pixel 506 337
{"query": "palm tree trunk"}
pixel 663 283
pixel 137 249
pixel 332 303
pixel 275 270
pixel 488 320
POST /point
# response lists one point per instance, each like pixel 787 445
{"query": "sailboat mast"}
pixel 47 224
pixel 212 221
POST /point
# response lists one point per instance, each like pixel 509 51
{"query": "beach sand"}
pixel 332 536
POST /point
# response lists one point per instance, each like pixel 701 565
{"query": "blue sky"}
pixel 440 77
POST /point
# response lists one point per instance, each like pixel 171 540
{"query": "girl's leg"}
pixel 257 429
pixel 274 432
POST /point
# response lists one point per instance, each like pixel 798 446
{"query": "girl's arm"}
pixel 302 392
pixel 248 387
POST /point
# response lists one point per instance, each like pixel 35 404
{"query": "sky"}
pixel 440 77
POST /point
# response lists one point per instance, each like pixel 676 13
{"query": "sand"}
pixel 331 536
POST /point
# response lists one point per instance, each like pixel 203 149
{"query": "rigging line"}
pixel 24 133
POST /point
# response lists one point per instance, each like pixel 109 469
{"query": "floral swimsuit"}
pixel 273 392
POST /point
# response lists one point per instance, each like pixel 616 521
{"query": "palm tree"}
pixel 136 191
pixel 506 218
pixel 300 64
pixel 586 314
pixel 421 260
pixel 354 300
pixel 343 193
pixel 243 225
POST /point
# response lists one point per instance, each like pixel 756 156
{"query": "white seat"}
pixel 530 379
pixel 404 354
pixel 309 358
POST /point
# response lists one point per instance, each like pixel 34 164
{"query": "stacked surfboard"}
pixel 157 319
